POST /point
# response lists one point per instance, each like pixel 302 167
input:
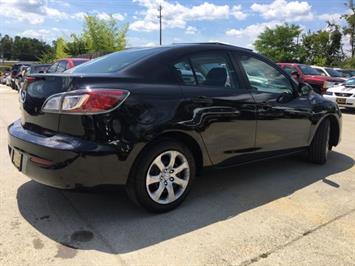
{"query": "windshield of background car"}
pixel 350 82
pixel 113 62
pixel 334 73
pixel 307 70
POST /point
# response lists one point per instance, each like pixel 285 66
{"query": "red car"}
pixel 66 63
pixel 307 74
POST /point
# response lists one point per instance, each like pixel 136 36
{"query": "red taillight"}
pixel 29 80
pixel 90 101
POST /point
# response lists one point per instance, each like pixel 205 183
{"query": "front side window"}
pixel 264 77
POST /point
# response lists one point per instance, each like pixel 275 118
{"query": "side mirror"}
pixel 295 75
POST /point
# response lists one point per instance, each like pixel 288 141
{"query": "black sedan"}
pixel 152 118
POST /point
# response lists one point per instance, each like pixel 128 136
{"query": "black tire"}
pixel 319 148
pixel 136 185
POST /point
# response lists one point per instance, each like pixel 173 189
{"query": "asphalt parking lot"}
pixel 278 212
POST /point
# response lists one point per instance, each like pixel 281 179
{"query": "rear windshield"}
pixel 113 62
pixel 307 70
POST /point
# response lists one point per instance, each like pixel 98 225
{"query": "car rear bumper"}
pixel 70 162
pixel 348 102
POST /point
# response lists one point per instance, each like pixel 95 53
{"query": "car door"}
pixel 219 106
pixel 283 115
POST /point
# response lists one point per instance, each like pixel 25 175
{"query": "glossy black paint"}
pixel 222 126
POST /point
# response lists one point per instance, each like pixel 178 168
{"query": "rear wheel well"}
pixel 185 139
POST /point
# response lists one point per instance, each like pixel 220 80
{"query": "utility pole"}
pixel 160 24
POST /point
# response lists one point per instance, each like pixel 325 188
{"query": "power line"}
pixel 160 24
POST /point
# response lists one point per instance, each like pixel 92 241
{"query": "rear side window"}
pixel 212 69
pixel 113 62
pixel 264 77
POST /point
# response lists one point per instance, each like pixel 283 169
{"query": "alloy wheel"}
pixel 167 177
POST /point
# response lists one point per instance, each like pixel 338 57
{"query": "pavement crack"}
pixel 306 233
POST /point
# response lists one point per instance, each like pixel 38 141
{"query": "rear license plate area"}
pixel 17 159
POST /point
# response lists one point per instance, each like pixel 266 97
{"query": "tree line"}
pixel 98 35
pixel 284 43
pixel 288 43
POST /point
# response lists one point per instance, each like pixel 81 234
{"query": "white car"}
pixel 343 95
pixel 329 72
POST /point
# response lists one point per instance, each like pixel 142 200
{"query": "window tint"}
pixel 114 62
pixel 53 68
pixel 263 77
pixel 62 66
pixel 184 73
pixel 214 70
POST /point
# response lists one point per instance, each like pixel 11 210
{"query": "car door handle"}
pixel 202 99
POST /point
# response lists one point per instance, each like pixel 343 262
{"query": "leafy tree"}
pixel 349 29
pixel 281 43
pixel 47 57
pixel 60 47
pixel 76 46
pixel 22 48
pixel 104 35
pixel 6 43
pixel 323 47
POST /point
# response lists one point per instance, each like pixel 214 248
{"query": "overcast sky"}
pixel 234 21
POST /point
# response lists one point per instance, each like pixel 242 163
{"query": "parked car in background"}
pixel 344 94
pixel 329 72
pixel 65 64
pixel 5 78
pixel 14 71
pixel 32 69
pixel 347 73
pixel 306 74
pixel 17 75
pixel 20 77
pixel 38 68
pixel 131 118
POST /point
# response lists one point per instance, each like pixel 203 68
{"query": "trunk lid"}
pixel 39 87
